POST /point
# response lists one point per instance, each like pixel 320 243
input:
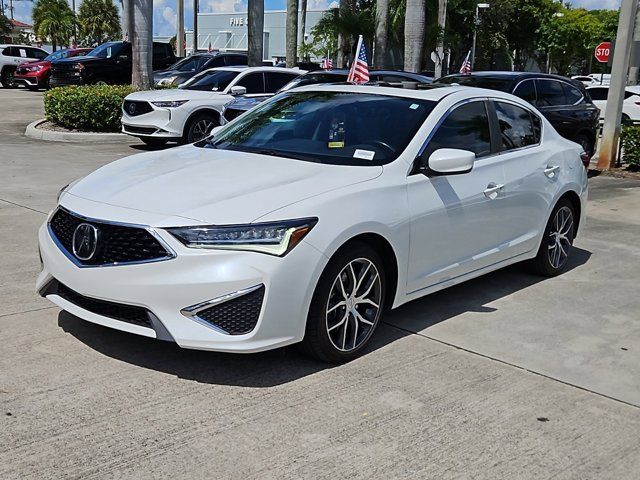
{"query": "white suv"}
pixel 189 112
pixel 13 55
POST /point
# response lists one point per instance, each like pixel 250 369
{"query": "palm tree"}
pixel 442 20
pixel 54 20
pixel 255 19
pixel 292 33
pixel 382 32
pixel 99 21
pixel 303 22
pixel 414 35
pixel 140 33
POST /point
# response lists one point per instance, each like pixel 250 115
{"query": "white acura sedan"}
pixel 308 216
pixel 189 112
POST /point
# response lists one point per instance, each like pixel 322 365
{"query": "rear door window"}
pixel 550 93
pixel 277 80
pixel 516 126
pixel 572 94
pixel 36 53
pixel 216 62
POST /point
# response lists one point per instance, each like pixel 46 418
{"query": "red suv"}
pixel 35 75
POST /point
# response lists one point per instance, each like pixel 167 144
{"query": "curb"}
pixel 33 131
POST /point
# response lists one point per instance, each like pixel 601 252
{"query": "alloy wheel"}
pixel 354 305
pixel 560 237
pixel 201 129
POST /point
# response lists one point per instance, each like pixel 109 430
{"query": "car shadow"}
pixel 284 365
pixel 143 147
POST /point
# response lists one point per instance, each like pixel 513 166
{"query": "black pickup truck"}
pixel 109 63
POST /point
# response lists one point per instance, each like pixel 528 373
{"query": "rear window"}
pixel 492 83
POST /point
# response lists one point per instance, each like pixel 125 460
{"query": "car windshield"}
pixel 314 79
pixel 492 83
pixel 106 50
pixel 57 55
pixel 336 128
pixel 188 64
pixel 216 81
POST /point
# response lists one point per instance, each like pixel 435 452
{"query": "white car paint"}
pixel 630 106
pixel 170 122
pixel 443 229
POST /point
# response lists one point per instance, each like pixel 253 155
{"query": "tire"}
pixel 333 333
pixel 626 120
pixel 7 78
pixel 154 142
pixel 200 126
pixel 554 251
pixel 586 143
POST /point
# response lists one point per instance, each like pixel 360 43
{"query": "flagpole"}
pixel 352 70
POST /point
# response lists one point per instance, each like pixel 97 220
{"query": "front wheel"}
pixel 346 306
pixel 199 127
pixel 7 79
pixel 557 242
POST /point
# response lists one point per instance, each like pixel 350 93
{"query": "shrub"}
pixel 94 108
pixel 631 146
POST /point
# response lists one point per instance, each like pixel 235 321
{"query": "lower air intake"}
pixel 238 316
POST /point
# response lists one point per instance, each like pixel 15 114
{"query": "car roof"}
pixel 242 68
pixel 5 45
pixel 434 93
pixel 508 75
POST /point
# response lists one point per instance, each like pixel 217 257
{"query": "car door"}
pixel 530 175
pixel 120 71
pixel 456 220
pixel 552 104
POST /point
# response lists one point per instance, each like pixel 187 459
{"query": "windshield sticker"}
pixel 364 154
pixel 336 133
pixel 413 106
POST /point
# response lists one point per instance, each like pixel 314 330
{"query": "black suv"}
pixel 108 63
pixel 564 102
pixel 188 67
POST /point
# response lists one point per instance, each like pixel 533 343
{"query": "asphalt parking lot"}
pixel 508 376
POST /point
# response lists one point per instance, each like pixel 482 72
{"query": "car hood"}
pixel 209 186
pixel 44 63
pixel 170 73
pixel 247 103
pixel 173 94
pixel 77 59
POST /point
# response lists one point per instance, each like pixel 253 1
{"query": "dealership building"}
pixel 228 31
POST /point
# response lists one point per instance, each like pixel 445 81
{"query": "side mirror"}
pixel 215 130
pixel 450 161
pixel 237 90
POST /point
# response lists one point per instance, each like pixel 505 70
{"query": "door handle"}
pixel 492 191
pixel 550 172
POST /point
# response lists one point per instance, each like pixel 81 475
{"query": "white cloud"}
pixel 596 4
pixel 224 6
pixel 170 16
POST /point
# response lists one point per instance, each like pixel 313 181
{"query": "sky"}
pixel 164 11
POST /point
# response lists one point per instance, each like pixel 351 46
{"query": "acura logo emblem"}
pixel 132 108
pixel 85 241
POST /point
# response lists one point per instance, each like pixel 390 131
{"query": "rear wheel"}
pixel 200 126
pixel 346 306
pixel 557 242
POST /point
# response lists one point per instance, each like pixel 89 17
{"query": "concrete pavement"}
pixel 508 376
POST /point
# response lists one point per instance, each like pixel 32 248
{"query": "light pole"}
pixel 475 32
pixel 555 15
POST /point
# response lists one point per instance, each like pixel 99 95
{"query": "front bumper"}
pixel 159 123
pixel 168 289
pixel 29 80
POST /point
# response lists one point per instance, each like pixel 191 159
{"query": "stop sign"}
pixel 602 52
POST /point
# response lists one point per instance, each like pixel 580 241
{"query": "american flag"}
pixel 359 72
pixel 466 65
pixel 326 64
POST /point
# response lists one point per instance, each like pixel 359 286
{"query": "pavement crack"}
pixel 519 367
pixel 22 206
pixel 27 311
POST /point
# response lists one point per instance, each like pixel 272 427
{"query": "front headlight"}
pixel 35 68
pixel 170 104
pixel 78 66
pixel 167 80
pixel 274 238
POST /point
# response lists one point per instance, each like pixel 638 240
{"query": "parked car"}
pixel 564 102
pixel 630 106
pixel 306 220
pixel 189 112
pixel 35 75
pixel 585 80
pixel 109 63
pixel 241 104
pixel 13 55
pixel 184 69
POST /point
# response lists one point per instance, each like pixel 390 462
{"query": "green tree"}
pixel 98 22
pixel 53 20
pixel 5 26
